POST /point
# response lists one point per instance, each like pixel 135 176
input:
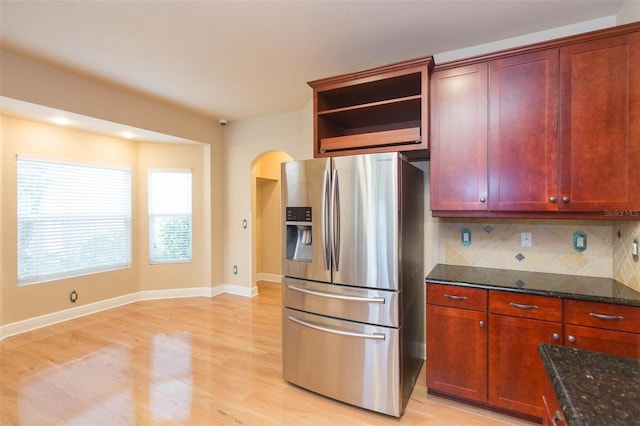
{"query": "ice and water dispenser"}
pixel 298 231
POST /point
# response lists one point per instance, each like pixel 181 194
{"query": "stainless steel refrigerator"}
pixel 353 285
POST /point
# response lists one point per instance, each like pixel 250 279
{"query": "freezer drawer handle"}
pixel 374 336
pixel 379 300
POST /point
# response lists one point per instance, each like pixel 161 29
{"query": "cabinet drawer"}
pixel 457 297
pixel 525 305
pixel 602 315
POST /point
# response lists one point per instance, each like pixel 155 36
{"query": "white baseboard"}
pixel 264 276
pixel 56 317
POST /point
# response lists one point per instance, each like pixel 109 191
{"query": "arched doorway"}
pixel 266 234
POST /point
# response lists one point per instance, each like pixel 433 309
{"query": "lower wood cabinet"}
pixel 518 323
pixel 552 412
pixel 457 345
pixel 482 345
pixel 516 373
pixel 602 327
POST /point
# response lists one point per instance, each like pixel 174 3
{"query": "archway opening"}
pixel 266 240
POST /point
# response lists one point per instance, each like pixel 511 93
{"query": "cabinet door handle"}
pixel 519 306
pixel 555 336
pixel 572 339
pixel 553 199
pixel 451 296
pixel 557 418
pixel 606 317
pixel 483 199
pixel 481 324
pixel 565 199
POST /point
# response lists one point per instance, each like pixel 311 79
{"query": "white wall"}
pixel 629 12
pixel 245 141
pixel 524 40
pixel 38 83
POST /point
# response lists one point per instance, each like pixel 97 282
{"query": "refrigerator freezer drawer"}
pixel 351 362
pixel 379 307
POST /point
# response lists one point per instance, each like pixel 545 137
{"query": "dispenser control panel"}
pixel 298 214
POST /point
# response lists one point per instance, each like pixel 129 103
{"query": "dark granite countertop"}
pixel 592 289
pixel 593 388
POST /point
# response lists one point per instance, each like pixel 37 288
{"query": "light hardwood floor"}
pixel 200 361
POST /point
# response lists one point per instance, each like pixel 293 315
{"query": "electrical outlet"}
pixel 526 240
pixel 465 237
pixel 579 241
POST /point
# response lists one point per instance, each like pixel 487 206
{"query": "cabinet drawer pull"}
pixel 606 317
pixel 450 296
pixel 519 306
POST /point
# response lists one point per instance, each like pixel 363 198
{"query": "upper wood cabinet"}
pixel 379 110
pixel 523 132
pixel 459 138
pixel 561 125
pixel 600 124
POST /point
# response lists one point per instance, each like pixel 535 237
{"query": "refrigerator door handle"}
pixel 325 220
pixel 378 300
pixel 374 336
pixel 335 207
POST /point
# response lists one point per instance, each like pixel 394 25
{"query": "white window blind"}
pixel 169 216
pixel 73 219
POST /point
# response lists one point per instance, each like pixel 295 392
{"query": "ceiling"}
pixel 242 59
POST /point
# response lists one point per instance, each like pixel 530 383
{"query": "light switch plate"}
pixel 526 239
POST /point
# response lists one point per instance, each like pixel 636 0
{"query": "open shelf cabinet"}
pixel 382 109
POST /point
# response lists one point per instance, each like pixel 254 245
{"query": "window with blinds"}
pixel 73 219
pixel 169 216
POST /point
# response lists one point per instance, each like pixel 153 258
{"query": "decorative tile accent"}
pixel 520 257
pixel 625 269
pixel 609 253
pixel 520 283
pixel 552 250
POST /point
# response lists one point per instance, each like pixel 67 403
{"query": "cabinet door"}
pixel 459 138
pixel 457 352
pixel 516 373
pixel 523 132
pixel 552 415
pixel 600 125
pixel 599 340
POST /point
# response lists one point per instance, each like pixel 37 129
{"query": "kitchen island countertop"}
pixel 593 388
pixel 593 289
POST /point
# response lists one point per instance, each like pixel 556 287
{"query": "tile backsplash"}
pixel 626 268
pixel 606 255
